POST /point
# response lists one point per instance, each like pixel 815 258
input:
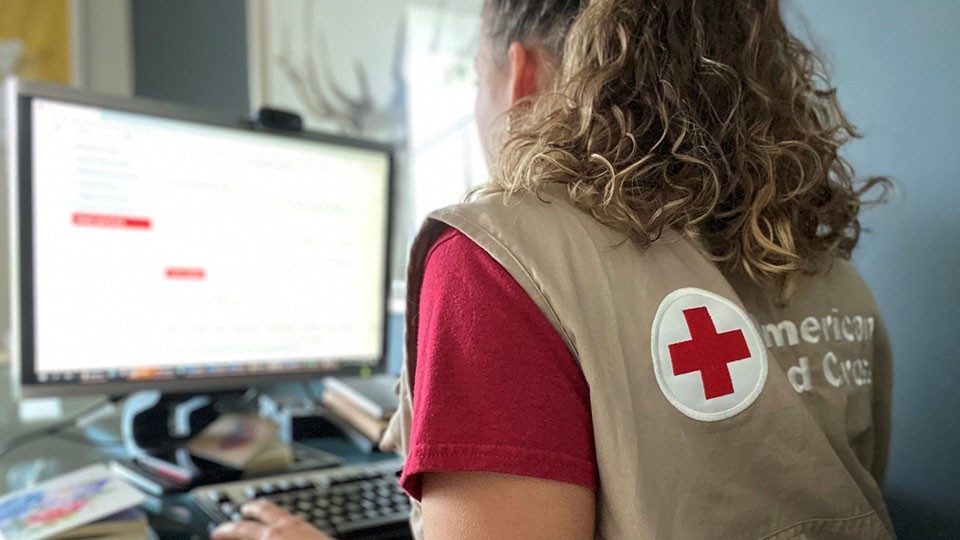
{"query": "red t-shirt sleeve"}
pixel 496 389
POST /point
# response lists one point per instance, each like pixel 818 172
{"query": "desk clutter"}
pixel 243 442
pixel 232 447
pixel 88 503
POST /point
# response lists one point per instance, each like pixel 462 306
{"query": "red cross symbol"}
pixel 708 352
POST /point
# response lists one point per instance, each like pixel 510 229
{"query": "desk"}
pixel 174 517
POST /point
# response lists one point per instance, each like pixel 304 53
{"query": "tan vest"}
pixel 797 448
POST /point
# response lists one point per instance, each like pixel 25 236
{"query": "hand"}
pixel 272 523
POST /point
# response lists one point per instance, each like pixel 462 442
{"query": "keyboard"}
pixel 362 501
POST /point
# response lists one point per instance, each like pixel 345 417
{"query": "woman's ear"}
pixel 525 67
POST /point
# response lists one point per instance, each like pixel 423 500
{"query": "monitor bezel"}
pixel 19 95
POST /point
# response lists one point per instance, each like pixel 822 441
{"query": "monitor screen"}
pixel 167 249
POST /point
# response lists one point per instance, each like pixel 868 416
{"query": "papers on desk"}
pixel 243 442
pixel 56 507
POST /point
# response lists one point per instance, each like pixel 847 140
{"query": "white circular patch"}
pixel 708 357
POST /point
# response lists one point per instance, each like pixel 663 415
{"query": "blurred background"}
pixel 401 71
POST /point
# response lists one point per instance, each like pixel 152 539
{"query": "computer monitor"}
pixel 158 247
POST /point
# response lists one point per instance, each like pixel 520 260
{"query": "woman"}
pixel 647 326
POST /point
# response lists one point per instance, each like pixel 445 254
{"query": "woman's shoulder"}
pixel 841 285
pixel 548 201
pixel 532 214
pixel 842 273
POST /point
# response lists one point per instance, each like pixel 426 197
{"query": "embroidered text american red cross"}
pixel 708 352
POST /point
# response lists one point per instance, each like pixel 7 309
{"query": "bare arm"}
pixel 473 506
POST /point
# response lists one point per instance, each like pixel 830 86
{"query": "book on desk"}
pixel 90 502
pixel 361 407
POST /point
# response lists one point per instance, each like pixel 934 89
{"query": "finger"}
pixel 239 530
pixel 264 512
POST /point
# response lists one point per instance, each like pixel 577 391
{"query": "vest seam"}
pixel 799 524
pixel 433 248
pixel 458 221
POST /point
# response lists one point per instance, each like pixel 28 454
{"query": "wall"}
pixel 897 66
pixel 192 52
pixel 103 46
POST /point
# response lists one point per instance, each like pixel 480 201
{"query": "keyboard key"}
pixel 345 489
pixel 389 519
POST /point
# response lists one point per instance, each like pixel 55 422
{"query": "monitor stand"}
pixel 152 422
pixel 155 428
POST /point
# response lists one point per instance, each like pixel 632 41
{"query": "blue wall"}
pixel 897 67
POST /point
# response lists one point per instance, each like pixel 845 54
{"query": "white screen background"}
pixel 281 241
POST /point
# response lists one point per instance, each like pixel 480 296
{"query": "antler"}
pixel 318 90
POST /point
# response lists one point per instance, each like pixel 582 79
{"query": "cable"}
pixel 312 394
pixel 24 438
pixel 87 440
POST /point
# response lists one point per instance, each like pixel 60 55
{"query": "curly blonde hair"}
pixel 706 116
